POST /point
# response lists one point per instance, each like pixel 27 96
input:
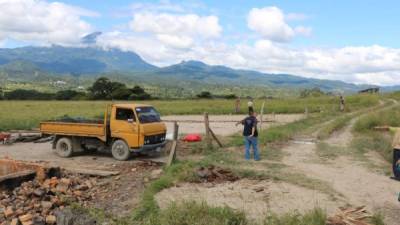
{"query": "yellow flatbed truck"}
pixel 125 129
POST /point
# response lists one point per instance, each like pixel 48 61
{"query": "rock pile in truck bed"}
pixel 35 203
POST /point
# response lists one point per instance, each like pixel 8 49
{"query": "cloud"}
pixel 163 5
pixel 270 23
pixel 176 30
pixel 43 22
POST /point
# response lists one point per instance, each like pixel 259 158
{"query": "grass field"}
pixel 28 114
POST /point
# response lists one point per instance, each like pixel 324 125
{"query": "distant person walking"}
pixel 237 105
pixel 250 135
pixel 342 103
pixel 250 104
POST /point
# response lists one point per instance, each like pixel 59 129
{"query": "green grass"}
pixel 336 125
pixel 387 117
pixel 367 139
pixel 28 114
pixel 314 217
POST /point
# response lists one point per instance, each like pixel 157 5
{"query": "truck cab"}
pixel 126 129
pixel 139 126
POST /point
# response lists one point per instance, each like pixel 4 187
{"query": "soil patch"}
pixel 255 198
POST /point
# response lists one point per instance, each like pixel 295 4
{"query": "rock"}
pixel 8 212
pixel 39 192
pixel 65 181
pixel 50 219
pixel 62 187
pixel 82 187
pixel 15 221
pixel 155 174
pixel 69 216
pixel 46 204
pixel 88 184
pixel 25 218
pixel 38 220
pixel 258 189
pixel 133 169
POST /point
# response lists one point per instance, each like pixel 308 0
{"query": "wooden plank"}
pixel 207 127
pixel 15 175
pixel 261 115
pixel 215 138
pixel 100 173
pixel 176 127
pixel 172 153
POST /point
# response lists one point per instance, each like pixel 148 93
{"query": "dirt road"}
pixel 224 125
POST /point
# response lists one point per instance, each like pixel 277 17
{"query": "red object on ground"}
pixel 4 137
pixel 192 138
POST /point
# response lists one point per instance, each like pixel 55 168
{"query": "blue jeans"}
pixel 251 142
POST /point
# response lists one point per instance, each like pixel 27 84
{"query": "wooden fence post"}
pixel 261 115
pixel 207 127
pixel 172 153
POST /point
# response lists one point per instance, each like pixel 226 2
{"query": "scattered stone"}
pixel 15 221
pixel 50 219
pixel 258 189
pixel 155 174
pixel 46 204
pixel 8 212
pixel 25 218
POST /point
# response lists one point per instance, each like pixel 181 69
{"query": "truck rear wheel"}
pixel 64 147
pixel 120 150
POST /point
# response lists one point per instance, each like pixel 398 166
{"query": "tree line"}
pixel 101 89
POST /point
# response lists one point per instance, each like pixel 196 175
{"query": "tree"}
pixel 204 94
pixel 314 92
pixel 101 89
pixel 1 93
pixel 68 95
pixel 138 93
pixel 21 94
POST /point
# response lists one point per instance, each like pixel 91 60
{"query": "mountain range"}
pixel 31 63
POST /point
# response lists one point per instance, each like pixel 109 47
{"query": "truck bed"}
pixel 83 129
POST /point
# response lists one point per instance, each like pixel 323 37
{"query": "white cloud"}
pixel 43 22
pixel 176 30
pixel 270 23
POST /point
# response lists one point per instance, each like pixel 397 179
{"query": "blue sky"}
pixel 354 41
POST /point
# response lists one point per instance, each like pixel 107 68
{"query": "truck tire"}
pixel 64 147
pixel 120 150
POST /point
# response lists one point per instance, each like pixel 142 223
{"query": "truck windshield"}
pixel 148 115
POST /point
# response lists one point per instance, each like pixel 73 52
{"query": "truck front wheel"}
pixel 64 147
pixel 120 150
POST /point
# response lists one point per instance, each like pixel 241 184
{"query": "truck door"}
pixel 125 126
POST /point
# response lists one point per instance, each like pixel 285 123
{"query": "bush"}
pixel 21 94
pixel 69 95
pixel 204 94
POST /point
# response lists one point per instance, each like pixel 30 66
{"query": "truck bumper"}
pixel 149 148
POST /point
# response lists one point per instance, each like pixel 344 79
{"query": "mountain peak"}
pixel 193 63
pixel 91 38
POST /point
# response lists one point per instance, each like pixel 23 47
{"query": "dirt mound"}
pixel 215 174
